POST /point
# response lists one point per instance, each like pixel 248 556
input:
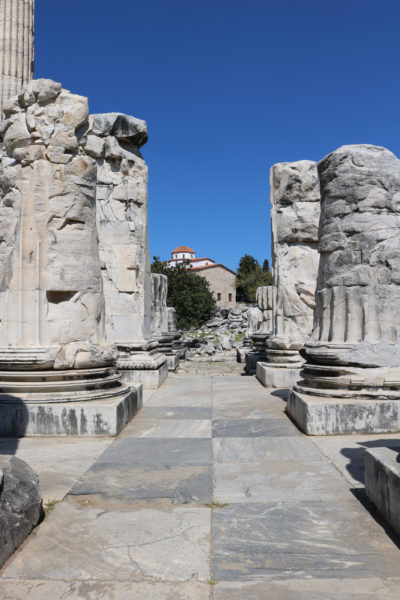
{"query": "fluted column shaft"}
pixel 16 46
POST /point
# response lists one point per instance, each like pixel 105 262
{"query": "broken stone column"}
pixel 57 373
pixel 177 345
pixel 159 319
pixel 159 311
pixel 254 316
pixel 351 380
pixel 295 200
pixel 263 329
pixel 114 140
pixel 16 47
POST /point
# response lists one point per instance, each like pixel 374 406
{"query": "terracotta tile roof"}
pixel 212 267
pixel 183 249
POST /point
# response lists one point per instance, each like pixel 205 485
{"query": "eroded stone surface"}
pixel 122 220
pixel 352 375
pixel 141 545
pixel 295 199
pixel 20 504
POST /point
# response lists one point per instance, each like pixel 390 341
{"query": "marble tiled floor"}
pixel 211 492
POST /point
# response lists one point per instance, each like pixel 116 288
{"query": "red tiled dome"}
pixel 183 249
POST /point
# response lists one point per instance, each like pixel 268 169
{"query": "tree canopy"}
pixel 188 293
pixel 250 276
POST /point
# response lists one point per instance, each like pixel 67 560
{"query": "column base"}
pixel 329 415
pixel 382 483
pixel 148 368
pixel 252 359
pixel 97 417
pixel 279 377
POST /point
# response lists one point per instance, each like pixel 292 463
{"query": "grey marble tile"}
pixel 263 449
pixel 158 452
pixel 178 483
pixel 303 589
pixel 335 539
pixel 175 412
pixel 102 590
pixel 171 428
pixel 271 427
pixel 278 481
pixel 83 543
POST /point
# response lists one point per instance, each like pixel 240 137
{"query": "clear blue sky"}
pixel 228 88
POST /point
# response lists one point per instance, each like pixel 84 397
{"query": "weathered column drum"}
pixel 351 381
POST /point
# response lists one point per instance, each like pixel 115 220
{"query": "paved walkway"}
pixel 211 492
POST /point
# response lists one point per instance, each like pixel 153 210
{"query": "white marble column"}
pixel 350 382
pixel 16 46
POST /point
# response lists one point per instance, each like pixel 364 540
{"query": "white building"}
pixel 183 253
pixel 221 279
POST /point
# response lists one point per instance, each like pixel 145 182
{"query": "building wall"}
pixel 221 282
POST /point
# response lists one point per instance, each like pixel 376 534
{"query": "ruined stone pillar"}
pixel 159 312
pixel 160 319
pixel 114 140
pixel 57 372
pixel 260 328
pixel 295 200
pixel 351 381
pixel 16 47
pixel 178 346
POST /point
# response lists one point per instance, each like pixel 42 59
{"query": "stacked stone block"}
pixel 295 201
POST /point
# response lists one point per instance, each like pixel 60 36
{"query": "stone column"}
pixel 159 319
pixel 159 312
pixel 57 373
pixel 261 329
pixel 16 47
pixel 295 200
pixel 114 140
pixel 351 381
pixel 178 346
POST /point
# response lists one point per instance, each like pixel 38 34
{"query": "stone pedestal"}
pixel 295 200
pixel 57 372
pixel 142 364
pixel 351 380
pixel 382 483
pixel 16 47
pixel 258 352
pixel 114 141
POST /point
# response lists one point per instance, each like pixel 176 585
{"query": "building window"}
pixel 230 297
pixel 218 296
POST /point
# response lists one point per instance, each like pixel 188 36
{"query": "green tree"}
pixel 188 293
pixel 250 276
